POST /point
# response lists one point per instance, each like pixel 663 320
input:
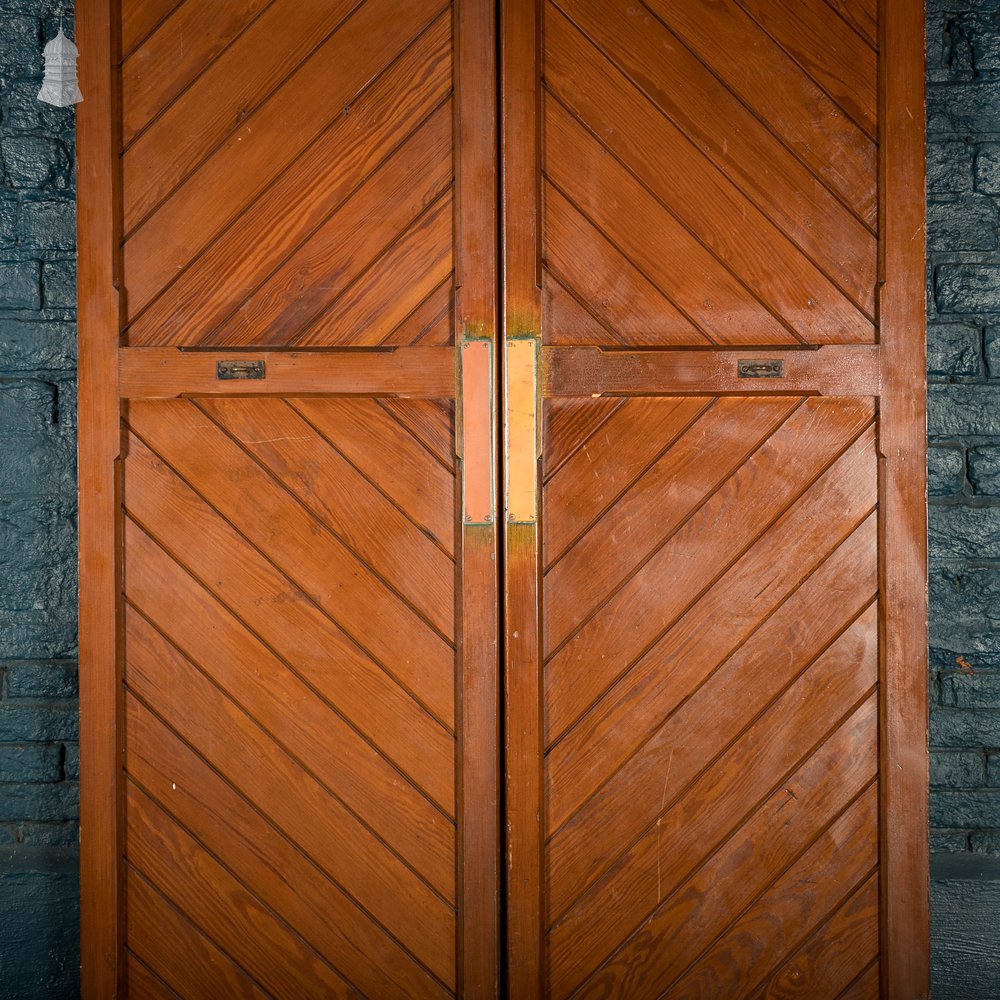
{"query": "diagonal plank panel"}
pixel 713 666
pixel 277 870
pixel 287 145
pixel 742 175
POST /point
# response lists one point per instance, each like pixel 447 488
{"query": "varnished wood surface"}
pixel 713 625
pixel 165 372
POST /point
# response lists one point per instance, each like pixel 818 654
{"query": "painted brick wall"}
pixel 39 950
pixel 38 717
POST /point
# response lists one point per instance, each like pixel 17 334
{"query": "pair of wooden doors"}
pixel 502 499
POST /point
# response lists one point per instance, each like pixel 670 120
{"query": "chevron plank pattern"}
pixel 707 177
pixel 291 796
pixel 287 173
pixel 711 697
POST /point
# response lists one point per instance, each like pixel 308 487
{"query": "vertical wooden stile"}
pixel 99 445
pixel 476 317
pixel 521 314
pixel 902 503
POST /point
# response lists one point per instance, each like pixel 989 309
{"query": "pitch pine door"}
pixel 501 499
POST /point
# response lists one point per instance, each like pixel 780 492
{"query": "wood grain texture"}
pixel 905 966
pixel 98 236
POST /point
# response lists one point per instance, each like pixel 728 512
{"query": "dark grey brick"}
pixel 971 690
pixel 984 470
pixel 987 168
pixel 33 161
pixel 964 108
pixel 968 224
pixel 965 614
pixel 51 834
pixel 59 284
pixel 40 802
pixel 20 45
pixel 967 288
pixel 954 350
pixel 37 723
pixel 969 808
pixel 985 841
pixel 957 769
pixel 33 762
pixel 33 537
pixel 950 167
pixel 20 285
pixel 945 470
pixel 71 761
pixel 48 225
pixel 963 410
pixel 959 729
pixel 949 841
pixel 40 679
pixel 964 532
pixel 35 345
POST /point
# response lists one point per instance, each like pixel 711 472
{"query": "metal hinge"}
pixel 476 437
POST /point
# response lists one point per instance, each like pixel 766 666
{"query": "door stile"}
pixel 902 504
pixel 98 229
pixel 521 320
pixel 479 850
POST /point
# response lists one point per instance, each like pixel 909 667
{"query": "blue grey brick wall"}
pixel 39 949
pixel 963 163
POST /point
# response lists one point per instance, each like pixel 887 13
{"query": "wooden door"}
pixel 715 665
pixel 709 387
pixel 290 687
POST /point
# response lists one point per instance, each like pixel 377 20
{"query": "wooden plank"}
pixel 431 323
pixel 777 920
pixel 140 17
pixel 595 477
pixel 167 373
pixel 702 896
pixel 374 526
pixel 655 505
pixel 653 239
pixel 568 424
pixel 793 107
pixel 393 199
pixel 177 951
pixel 829 371
pixel 695 100
pixel 430 421
pixel 607 770
pixel 258 854
pixel 829 50
pixel 167 62
pixel 144 984
pixel 905 893
pixel 834 956
pixel 626 301
pixel 98 234
pixel 290 795
pixel 708 544
pixel 262 944
pixel 862 16
pixel 383 713
pixel 218 101
pixel 170 248
pixel 395 285
pixel 521 316
pixel 708 203
pixel 391 457
pixel 567 321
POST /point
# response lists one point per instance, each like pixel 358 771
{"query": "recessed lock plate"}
pixel 761 368
pixel 239 369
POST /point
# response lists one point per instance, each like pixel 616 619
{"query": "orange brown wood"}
pixel 585 330
pixel 703 212
pixel 297 792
